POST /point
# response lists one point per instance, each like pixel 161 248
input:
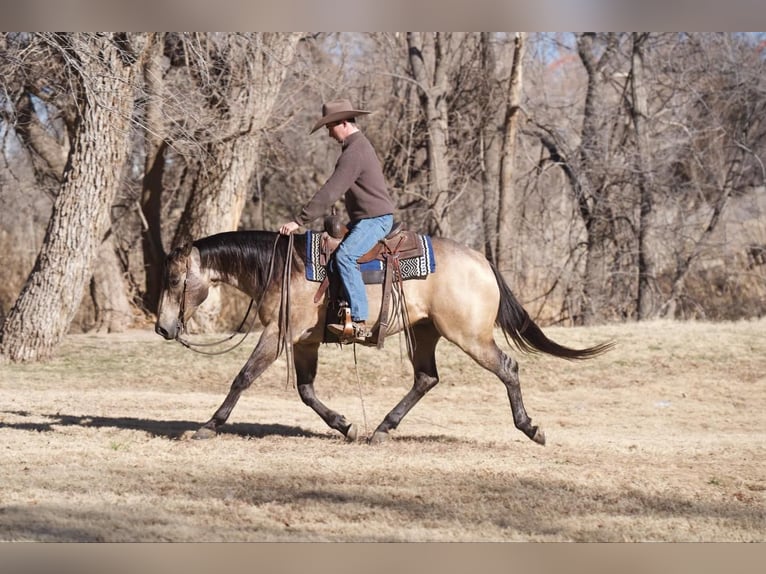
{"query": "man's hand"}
pixel 289 228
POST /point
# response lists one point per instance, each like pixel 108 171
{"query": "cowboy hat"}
pixel 336 111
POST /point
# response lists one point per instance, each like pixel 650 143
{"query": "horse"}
pixel 462 301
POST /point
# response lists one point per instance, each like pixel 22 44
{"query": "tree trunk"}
pixel 155 144
pixel 489 179
pixel 490 147
pixel 591 192
pixel 431 60
pixel 508 216
pixel 646 308
pixel 219 188
pixel 113 310
pixel 223 177
pixel 104 66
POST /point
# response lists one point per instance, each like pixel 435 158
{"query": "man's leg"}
pixel 360 239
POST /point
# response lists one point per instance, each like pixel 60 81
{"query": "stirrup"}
pixel 356 332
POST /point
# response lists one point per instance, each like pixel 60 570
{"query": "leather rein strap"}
pixel 285 337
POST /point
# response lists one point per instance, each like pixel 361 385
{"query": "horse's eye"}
pixel 174 281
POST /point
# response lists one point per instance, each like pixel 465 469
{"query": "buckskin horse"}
pixel 462 301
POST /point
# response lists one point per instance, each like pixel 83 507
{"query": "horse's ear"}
pixel 180 252
pixel 194 259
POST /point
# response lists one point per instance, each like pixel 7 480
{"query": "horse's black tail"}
pixel 524 332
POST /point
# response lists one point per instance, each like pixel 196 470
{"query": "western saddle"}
pixel 398 244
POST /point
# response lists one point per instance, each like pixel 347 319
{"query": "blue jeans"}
pixel 362 236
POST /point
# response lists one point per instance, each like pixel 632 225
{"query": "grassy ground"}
pixel 662 439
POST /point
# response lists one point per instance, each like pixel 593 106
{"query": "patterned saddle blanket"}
pixel 418 266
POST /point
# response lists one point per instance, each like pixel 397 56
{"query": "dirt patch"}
pixel 662 439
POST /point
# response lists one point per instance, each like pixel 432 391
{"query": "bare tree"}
pixel 720 98
pixel 631 171
pixel 508 213
pixel 155 133
pixel 103 70
pixel 45 116
pixel 639 113
pixel 239 77
pixel 593 162
pixel 670 133
pixel 593 174
pixel 433 58
pixel 248 72
pixel 491 142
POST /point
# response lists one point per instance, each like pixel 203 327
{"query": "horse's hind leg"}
pixel 489 356
pixel 509 374
pixel 261 358
pixel 426 377
pixel 306 369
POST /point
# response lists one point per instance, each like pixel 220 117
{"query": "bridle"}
pixel 284 309
pixel 196 347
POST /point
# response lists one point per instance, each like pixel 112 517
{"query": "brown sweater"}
pixel 359 175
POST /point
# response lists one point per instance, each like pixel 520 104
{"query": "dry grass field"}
pixel 662 439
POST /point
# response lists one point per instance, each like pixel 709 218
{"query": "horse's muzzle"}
pixel 160 330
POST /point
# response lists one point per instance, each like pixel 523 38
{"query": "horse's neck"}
pixel 242 282
pixel 214 276
pixel 246 276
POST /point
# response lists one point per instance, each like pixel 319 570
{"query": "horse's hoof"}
pixel 539 436
pixel 352 433
pixel 378 437
pixel 203 433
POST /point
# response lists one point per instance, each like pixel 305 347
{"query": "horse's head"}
pixel 184 288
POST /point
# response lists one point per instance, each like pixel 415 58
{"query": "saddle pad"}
pixel 412 268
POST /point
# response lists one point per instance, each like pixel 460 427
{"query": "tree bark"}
pixel 104 67
pixel 113 310
pixel 646 308
pixel 591 191
pixel 491 142
pixel 432 56
pixel 508 216
pixel 151 190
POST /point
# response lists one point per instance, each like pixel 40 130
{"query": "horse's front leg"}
pixel 264 354
pixel 426 378
pixel 306 356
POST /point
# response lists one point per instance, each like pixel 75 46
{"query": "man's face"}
pixel 337 131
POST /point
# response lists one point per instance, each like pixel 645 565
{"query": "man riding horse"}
pixel 435 307
pixel 358 178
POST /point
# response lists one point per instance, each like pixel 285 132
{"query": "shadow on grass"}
pixel 175 429
pixel 460 509
pixel 171 429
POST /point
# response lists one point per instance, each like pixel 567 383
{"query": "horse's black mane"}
pixel 243 253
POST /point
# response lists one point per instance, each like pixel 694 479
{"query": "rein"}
pixel 196 346
pixel 285 336
pixel 192 346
